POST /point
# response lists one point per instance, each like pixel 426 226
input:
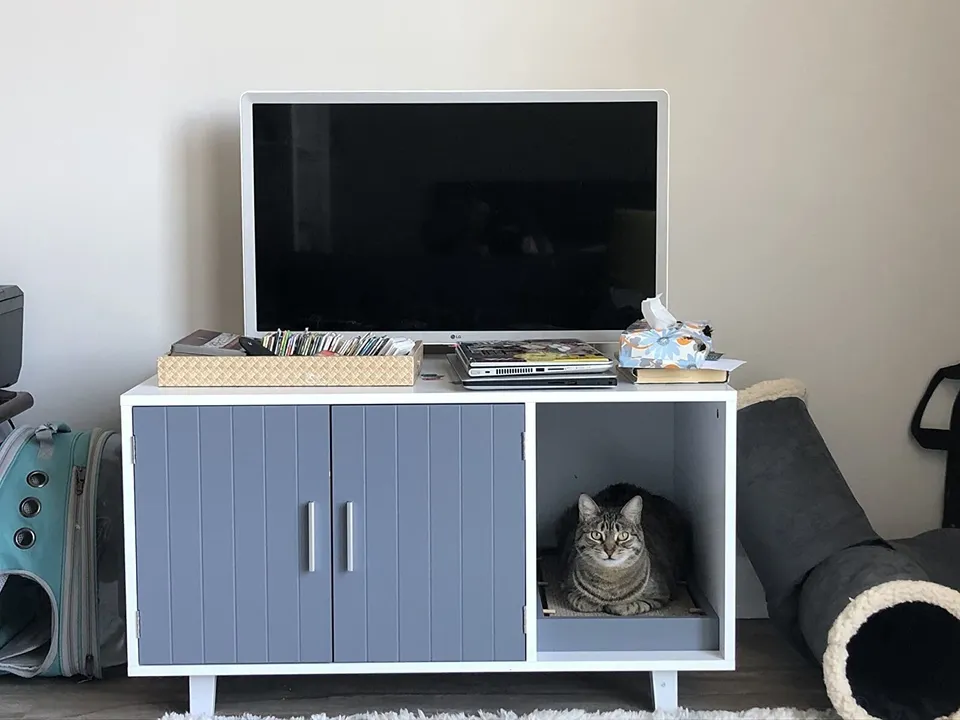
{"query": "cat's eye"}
pixel 596 536
pixel 622 537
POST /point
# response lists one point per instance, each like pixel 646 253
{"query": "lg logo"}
pixel 455 337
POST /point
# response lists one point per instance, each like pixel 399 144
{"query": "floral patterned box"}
pixel 683 345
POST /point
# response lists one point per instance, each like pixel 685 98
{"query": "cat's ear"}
pixel 588 508
pixel 631 511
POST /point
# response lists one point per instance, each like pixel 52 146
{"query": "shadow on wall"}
pixel 207 197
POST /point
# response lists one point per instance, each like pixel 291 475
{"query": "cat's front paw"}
pixel 581 603
pixel 629 608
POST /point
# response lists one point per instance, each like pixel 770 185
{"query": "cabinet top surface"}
pixel 442 390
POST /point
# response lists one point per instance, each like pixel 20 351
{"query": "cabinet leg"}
pixel 203 695
pixel 663 684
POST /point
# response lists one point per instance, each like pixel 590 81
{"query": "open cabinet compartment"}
pixel 674 449
pixel 688 623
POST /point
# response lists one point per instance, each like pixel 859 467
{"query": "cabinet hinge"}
pixel 138 624
pixel 523 446
pixel 133 449
pixel 524 619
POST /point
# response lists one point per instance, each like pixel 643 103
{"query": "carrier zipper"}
pixel 69 631
pixel 89 619
pixel 80 570
pixel 11 446
pixel 70 655
pixel 79 479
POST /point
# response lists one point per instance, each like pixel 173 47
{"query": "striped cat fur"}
pixel 623 551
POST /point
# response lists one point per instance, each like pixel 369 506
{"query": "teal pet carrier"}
pixel 61 552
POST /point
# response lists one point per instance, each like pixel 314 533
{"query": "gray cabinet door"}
pixel 428 533
pixel 221 500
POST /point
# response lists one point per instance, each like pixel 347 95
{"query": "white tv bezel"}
pixel 251 98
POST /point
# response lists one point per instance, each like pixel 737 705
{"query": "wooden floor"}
pixel 769 674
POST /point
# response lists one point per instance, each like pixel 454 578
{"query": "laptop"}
pixel 531 357
pixel 601 379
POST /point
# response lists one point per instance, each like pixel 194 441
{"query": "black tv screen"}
pixel 460 218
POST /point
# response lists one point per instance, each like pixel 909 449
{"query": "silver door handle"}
pixel 350 536
pixel 311 536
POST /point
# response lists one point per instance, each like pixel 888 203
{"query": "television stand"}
pixel 406 530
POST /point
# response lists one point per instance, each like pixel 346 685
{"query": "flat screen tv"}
pixel 447 216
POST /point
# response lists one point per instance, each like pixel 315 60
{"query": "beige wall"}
pixel 815 169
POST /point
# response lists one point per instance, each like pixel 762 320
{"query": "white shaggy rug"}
pixel 754 714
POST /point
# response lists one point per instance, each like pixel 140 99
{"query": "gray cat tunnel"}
pixel 881 617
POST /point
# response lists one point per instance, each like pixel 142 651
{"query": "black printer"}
pixel 11 334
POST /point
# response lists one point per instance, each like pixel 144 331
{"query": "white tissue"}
pixel 656 315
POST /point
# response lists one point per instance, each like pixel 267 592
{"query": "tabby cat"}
pixel 623 551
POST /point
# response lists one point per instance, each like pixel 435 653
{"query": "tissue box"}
pixel 683 345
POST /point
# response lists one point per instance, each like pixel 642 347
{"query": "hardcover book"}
pixel 530 351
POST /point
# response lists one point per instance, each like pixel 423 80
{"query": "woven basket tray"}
pixel 309 371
